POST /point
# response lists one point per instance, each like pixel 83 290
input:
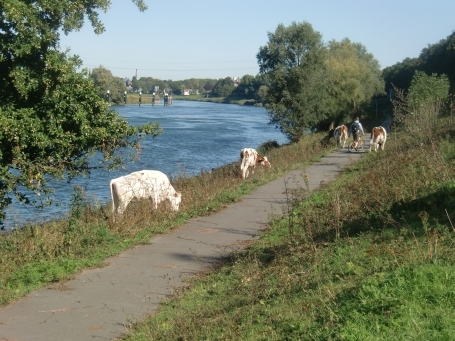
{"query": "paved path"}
pixel 100 304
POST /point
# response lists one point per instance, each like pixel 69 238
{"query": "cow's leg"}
pixel 155 199
pixel 371 141
pixel 123 204
pixel 245 172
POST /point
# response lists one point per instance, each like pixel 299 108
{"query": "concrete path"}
pixel 101 304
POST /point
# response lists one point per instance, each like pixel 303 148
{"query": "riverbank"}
pixel 54 251
pixel 133 98
pixel 223 100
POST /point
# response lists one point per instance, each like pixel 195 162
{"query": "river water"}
pixel 196 136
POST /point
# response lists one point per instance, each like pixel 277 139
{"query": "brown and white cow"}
pixel 378 138
pixel 251 158
pixel 341 135
pixel 145 184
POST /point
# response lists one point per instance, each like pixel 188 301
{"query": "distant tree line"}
pixel 436 59
pixel 249 87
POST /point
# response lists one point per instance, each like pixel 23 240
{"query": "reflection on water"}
pixel 196 136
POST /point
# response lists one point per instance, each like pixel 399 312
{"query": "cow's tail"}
pixel 372 136
pixel 243 157
pixel 114 198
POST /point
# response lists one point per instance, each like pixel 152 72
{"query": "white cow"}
pixel 341 135
pixel 251 158
pixel 378 138
pixel 145 184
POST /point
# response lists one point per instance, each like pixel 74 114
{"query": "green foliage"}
pixel 355 77
pixel 147 85
pixel 417 112
pixel 311 85
pixel 224 87
pixel 51 117
pixel 267 146
pixel 247 88
pixel 400 75
pixel 104 81
pixel 438 58
pixel 428 91
pixel 297 95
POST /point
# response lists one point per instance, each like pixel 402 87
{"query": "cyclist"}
pixel 355 129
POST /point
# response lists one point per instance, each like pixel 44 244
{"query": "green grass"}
pixel 369 257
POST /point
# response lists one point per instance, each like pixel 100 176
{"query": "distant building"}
pixel 186 92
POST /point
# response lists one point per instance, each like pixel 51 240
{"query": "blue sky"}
pixel 216 39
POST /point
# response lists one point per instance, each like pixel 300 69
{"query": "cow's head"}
pixel 175 200
pixel 263 161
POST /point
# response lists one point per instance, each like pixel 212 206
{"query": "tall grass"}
pixel 36 255
pixel 369 257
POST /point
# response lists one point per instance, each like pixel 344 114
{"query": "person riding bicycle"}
pixel 355 129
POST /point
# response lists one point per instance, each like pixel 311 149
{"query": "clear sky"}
pixel 179 39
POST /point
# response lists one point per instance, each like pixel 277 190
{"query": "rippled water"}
pixel 196 136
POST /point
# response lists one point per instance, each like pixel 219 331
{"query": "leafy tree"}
pixel 247 88
pixel 400 75
pixel 51 116
pixel 297 97
pixel 428 93
pixel 440 58
pixel 135 84
pixel 355 78
pixel 417 111
pixel 104 80
pixel 224 87
pixel 209 85
pixel 436 58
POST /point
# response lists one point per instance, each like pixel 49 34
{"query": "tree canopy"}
pixel 224 87
pixel 294 58
pixel 355 78
pixel 438 58
pixel 51 116
pixel 104 81
pixel 310 83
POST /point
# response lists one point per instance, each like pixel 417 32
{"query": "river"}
pixel 196 136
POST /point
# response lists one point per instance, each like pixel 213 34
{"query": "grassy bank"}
pixel 36 256
pixel 369 257
pixel 225 100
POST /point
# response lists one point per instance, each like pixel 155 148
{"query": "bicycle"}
pixel 360 145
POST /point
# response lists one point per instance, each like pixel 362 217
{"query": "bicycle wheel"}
pixel 361 144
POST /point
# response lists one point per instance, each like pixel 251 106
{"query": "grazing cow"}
pixel 251 158
pixel 145 184
pixel 341 135
pixel 378 138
